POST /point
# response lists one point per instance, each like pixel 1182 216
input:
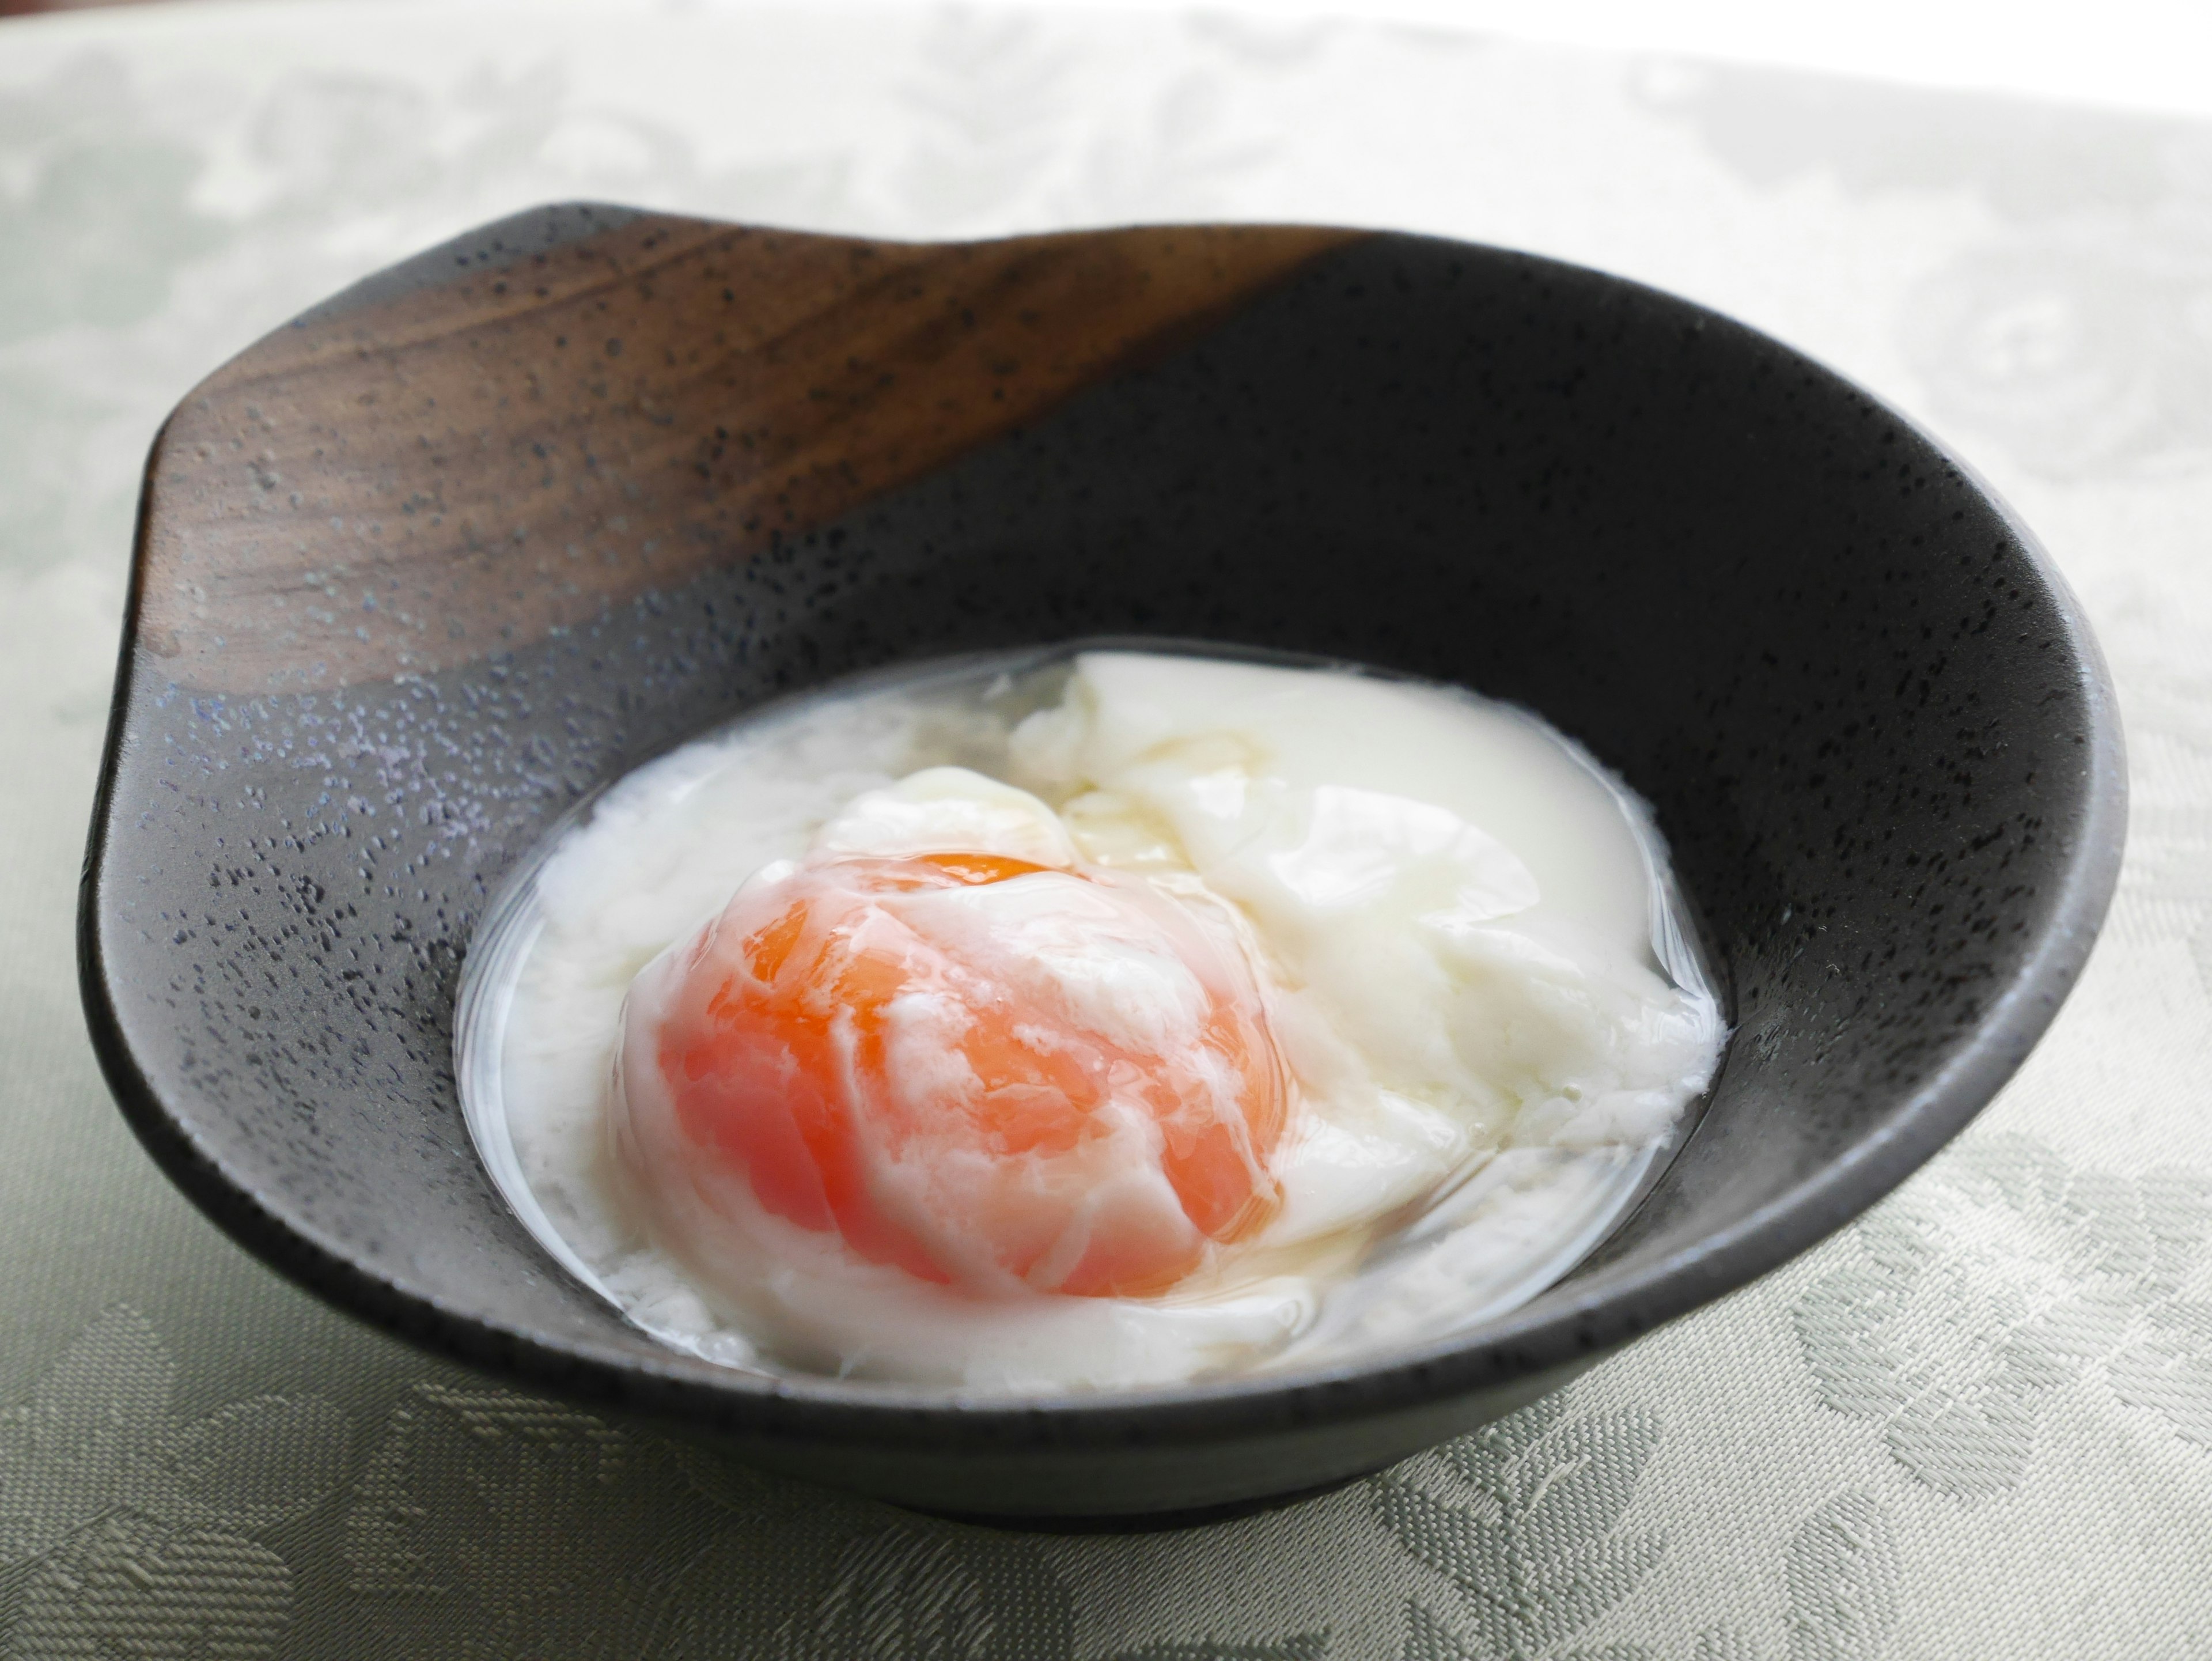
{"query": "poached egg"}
pixel 1197 1021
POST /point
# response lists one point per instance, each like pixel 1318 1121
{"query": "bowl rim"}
pixel 1619 1305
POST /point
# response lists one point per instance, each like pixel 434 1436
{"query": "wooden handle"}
pixel 407 483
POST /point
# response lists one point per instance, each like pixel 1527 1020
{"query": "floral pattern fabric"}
pixel 1977 1423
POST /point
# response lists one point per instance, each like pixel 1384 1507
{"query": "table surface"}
pixel 1977 1423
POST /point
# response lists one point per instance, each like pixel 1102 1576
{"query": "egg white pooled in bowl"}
pixel 1085 1022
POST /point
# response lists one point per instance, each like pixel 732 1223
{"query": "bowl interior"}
pixel 421 570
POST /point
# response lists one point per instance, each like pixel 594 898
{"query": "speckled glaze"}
pixel 411 583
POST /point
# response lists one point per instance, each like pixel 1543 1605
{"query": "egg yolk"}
pixel 975 1068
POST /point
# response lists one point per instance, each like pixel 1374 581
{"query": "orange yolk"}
pixel 947 1105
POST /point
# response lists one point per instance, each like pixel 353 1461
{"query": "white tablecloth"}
pixel 1977 1423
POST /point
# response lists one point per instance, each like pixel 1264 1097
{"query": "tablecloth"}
pixel 1977 1423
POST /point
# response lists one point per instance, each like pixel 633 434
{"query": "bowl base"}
pixel 1157 1522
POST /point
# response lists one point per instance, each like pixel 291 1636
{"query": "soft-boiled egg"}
pixel 993 1074
pixel 1113 1055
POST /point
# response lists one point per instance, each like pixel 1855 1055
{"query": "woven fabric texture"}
pixel 1978 1423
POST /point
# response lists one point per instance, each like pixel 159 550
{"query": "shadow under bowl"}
pixel 417 572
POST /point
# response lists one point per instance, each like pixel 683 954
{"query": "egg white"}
pixel 1458 920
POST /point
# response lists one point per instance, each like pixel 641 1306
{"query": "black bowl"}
pixel 419 571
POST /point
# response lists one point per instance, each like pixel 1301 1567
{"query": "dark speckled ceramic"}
pixel 418 572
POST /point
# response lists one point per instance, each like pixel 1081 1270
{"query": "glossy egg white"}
pixel 1474 966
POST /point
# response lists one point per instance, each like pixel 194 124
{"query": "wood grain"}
pixel 406 483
